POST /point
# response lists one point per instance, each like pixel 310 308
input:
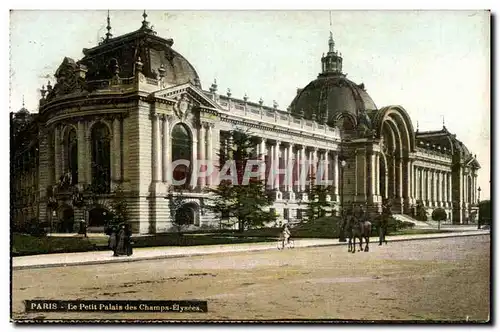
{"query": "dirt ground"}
pixel 440 279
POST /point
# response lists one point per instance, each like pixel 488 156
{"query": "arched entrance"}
pixel 187 214
pixel 382 181
pixel 396 132
pixel 182 150
pixel 101 158
pixel 67 221
pixel 99 217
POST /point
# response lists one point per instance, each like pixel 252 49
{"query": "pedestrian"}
pixel 121 241
pixel 128 240
pixel 83 227
pixel 112 240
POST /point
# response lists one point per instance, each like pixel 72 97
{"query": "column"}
pixel 304 169
pixel 210 154
pixel 201 153
pixel 425 187
pixel 82 153
pixel 262 153
pixel 156 162
pixel 419 183
pixel 450 189
pixel 194 165
pixel 373 173
pixel 281 164
pixel 289 168
pixel 271 179
pixel 399 172
pixel 165 150
pixel 336 179
pixel 439 185
pixel 277 165
pixel 297 169
pixel 57 153
pixel 326 167
pixel 314 168
pixel 117 149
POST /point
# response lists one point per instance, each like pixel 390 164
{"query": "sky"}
pixel 436 64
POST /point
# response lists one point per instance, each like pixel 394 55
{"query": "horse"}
pixel 358 229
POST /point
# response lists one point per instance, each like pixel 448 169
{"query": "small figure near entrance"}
pixel 123 241
pixel 112 231
pixel 383 222
pixel 83 227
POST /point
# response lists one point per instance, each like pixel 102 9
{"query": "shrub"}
pixel 439 214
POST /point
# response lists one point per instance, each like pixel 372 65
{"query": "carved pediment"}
pixel 68 79
pixel 189 92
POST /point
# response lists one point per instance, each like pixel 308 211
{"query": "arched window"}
pixel 101 170
pixel 72 155
pixel 181 149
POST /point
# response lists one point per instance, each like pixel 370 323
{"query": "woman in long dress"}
pixel 121 241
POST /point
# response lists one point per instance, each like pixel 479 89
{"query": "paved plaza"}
pixel 438 279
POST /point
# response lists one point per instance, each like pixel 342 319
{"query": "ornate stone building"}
pixel 133 106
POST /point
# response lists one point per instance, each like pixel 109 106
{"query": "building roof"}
pixel 331 93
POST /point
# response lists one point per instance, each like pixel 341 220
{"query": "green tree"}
pixel 439 214
pixel 243 202
pixel 119 206
pixel 317 202
pixel 179 217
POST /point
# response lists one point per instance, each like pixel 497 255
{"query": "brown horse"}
pixel 358 229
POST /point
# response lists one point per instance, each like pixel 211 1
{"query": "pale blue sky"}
pixel 433 63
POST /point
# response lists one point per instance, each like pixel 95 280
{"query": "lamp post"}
pixel 479 208
pixel 342 163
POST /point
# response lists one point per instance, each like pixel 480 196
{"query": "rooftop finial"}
pixel 442 116
pixel 331 43
pixel 145 24
pixel 417 125
pixel 23 101
pixel 108 34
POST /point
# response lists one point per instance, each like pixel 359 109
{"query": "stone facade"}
pixel 137 90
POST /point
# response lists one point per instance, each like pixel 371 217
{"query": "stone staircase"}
pixel 418 224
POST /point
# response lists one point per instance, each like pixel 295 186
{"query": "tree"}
pixel 178 215
pixel 316 200
pixel 245 199
pixel 484 213
pixel 439 214
pixel 119 205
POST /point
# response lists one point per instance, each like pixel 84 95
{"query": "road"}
pixel 439 279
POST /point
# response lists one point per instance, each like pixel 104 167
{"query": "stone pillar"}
pixel 82 153
pixel 289 168
pixel 419 183
pixel 369 176
pixel 165 151
pixel 117 151
pixel 262 152
pixel 210 158
pixel 194 165
pixel 326 167
pixel 361 175
pixel 428 188
pixel 399 177
pixel 277 165
pixel 450 189
pixel 282 162
pixel 272 167
pixel 157 169
pixel 336 179
pixel 57 153
pixel 314 168
pixel 304 170
pixel 201 153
